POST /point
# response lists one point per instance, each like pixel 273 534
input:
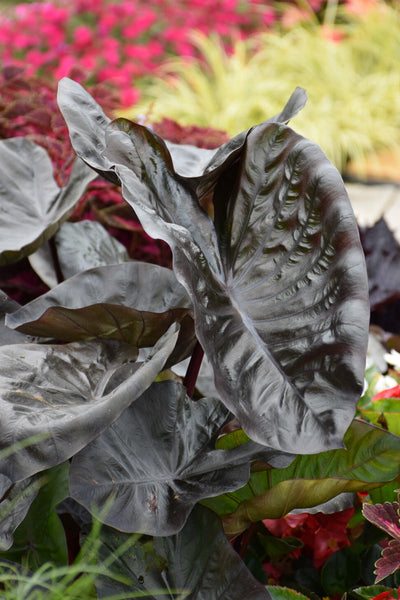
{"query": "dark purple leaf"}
pixel 32 205
pixel 389 562
pixel 385 516
pixel 132 302
pixel 278 286
pixel 158 459
pixel 67 395
pixel 382 257
pixel 196 563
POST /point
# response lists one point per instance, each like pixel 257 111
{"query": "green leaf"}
pixel 41 534
pixel 197 563
pixel 369 592
pixel 385 493
pixel 15 503
pixel 389 407
pixel 371 459
pixel 32 205
pixel 341 571
pixel 277 547
pixel 278 592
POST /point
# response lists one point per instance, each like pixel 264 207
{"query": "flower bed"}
pixel 91 40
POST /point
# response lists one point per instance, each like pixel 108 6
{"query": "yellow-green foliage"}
pixel 353 85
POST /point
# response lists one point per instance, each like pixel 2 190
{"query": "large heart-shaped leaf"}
pixel 279 286
pixel 132 302
pixel 32 205
pixel 158 459
pixel 69 394
pixel 370 460
pixel 197 564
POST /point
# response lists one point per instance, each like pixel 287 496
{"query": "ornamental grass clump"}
pixel 350 71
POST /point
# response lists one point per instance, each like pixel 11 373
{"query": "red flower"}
pixel 387 594
pixel 393 392
pixel 321 534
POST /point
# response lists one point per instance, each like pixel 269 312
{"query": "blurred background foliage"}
pixel 228 64
pixel 349 66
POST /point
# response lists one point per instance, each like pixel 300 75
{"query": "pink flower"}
pixel 83 36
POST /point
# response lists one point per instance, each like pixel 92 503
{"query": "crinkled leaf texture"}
pixel 132 302
pixel 68 394
pixel 158 459
pixel 32 205
pixel 198 563
pixel 278 282
pixel 371 459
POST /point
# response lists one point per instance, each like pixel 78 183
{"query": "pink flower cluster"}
pixel 113 41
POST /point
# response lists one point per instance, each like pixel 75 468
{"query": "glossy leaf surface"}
pixel 284 257
pixel 87 124
pixel 68 394
pixel 33 209
pixel 371 459
pixel 131 302
pixel 159 459
pixel 199 167
pixel 198 563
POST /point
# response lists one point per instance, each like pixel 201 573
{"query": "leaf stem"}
pixel 193 369
pixel 56 262
pixel 247 535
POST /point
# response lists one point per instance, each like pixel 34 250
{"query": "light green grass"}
pixel 353 86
